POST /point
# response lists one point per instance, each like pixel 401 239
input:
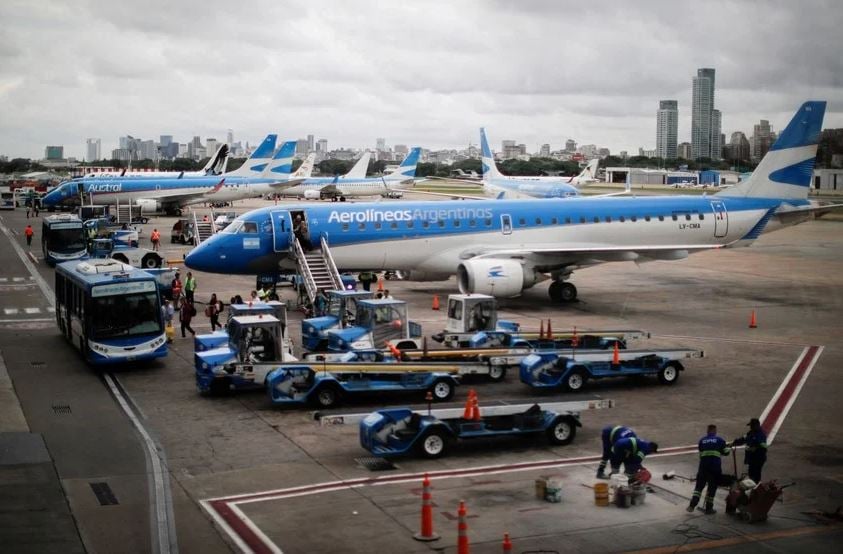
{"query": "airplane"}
pixel 502 247
pixel 215 166
pixel 461 175
pixel 357 171
pixel 260 174
pixel 340 188
pixel 528 186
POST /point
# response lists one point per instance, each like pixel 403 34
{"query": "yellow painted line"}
pixel 741 539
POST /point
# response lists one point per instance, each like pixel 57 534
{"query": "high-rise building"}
pixel 716 136
pixel 570 146
pixel 401 149
pixel 322 146
pixel 380 144
pixel 54 153
pixel 93 149
pixel 211 146
pixel 684 150
pixel 738 147
pixel 667 129
pixel 762 138
pixel 702 108
pixel 301 147
pixel 311 147
pixel 544 151
pixel 165 141
pixel 229 137
pixel 147 150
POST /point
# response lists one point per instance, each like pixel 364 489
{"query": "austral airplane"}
pixel 353 185
pixel 216 166
pixel 260 174
pixel 502 247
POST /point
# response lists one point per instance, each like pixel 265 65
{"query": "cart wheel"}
pixel 442 390
pixel 434 444
pixel 669 374
pixel 497 373
pixel 562 431
pixel 326 397
pixel 576 380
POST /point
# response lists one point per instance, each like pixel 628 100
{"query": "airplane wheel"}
pixel 562 432
pixel 562 291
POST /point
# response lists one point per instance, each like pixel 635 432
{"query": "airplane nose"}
pixel 202 258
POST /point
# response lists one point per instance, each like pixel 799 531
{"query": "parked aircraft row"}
pixel 504 246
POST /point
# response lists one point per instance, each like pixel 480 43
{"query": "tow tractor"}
pixel 255 347
pixel 552 370
pixel 326 385
pixel 341 312
pixel 219 338
pixel 469 314
pixel 431 433
pixel 137 257
pixel 377 322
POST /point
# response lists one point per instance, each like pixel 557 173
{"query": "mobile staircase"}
pixel 203 229
pixel 317 269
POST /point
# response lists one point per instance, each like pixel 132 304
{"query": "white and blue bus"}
pixel 110 311
pixel 7 198
pixel 63 239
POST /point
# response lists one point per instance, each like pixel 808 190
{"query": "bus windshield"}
pixel 66 240
pixel 125 316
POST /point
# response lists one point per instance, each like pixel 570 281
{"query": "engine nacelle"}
pixel 312 195
pixel 148 205
pixel 495 277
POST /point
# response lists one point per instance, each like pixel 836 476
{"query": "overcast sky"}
pixel 422 73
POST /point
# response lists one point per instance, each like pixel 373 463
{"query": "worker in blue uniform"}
pixel 610 435
pixel 756 448
pixel 631 451
pixel 709 471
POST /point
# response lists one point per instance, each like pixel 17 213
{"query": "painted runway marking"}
pixel 226 514
pixel 32 310
pixel 10 311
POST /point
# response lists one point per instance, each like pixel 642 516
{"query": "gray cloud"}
pixel 425 73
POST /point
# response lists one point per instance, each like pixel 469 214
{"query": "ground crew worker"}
pixel 631 451
pixel 189 286
pixel 709 471
pixel 155 237
pixel 176 286
pixel 610 435
pixel 756 449
pixel 28 232
pixel 366 277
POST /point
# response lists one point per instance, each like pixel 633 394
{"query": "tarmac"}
pixel 246 476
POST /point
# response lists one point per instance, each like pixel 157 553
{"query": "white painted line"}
pixel 32 310
pixel 32 257
pixel 17 279
pixel 10 311
pixel 3 279
pixel 223 526
pixel 778 423
pixel 42 284
pixel 27 320
pixel 164 540
pixel 51 309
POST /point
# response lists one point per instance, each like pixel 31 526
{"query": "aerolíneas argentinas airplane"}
pixel 353 184
pixel 502 247
pixel 499 184
pixel 260 174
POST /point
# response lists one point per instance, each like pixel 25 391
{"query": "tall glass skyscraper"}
pixel 667 129
pixel 702 114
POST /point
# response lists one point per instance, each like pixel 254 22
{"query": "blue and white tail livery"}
pixel 502 247
pixel 258 161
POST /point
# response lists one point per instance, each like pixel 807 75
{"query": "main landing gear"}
pixel 562 291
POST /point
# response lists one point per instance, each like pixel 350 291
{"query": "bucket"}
pixel 541 488
pixel 601 494
pixel 639 493
pixel 553 492
pixel 623 497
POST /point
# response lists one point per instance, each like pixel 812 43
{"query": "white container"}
pixel 618 480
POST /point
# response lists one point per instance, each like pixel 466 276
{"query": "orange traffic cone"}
pixel 380 284
pixel 752 321
pixel 468 412
pixel 549 330
pixel 475 409
pixel 507 544
pixel 541 330
pixel 462 530
pixel 616 355
pixel 435 302
pixel 426 533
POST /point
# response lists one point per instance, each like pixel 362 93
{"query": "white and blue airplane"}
pixel 353 184
pixel 526 186
pixel 260 174
pixel 501 247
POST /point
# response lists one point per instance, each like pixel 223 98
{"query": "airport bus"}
pixel 63 239
pixel 7 198
pixel 110 311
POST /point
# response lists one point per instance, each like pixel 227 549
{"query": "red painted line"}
pixel 776 411
pixel 239 526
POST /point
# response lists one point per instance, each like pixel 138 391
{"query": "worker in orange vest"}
pixel 29 232
pixel 155 237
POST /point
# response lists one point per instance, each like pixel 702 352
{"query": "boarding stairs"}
pixel 125 211
pixel 204 229
pixel 317 269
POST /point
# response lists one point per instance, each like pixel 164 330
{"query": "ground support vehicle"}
pixel 326 385
pixel 164 276
pixel 341 312
pixel 254 348
pixel 137 257
pixel 219 338
pixel 572 371
pixel 431 433
pixel 469 314
pixel 121 234
pixel 63 239
pixel 377 322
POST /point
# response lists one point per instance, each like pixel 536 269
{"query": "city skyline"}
pixel 434 83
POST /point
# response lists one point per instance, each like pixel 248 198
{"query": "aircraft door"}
pixel 506 224
pixel 721 218
pixel 282 230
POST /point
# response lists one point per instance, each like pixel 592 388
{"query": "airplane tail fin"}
pixel 257 162
pixel 590 171
pixel 786 170
pixel 281 165
pixel 407 169
pixel 216 164
pixel 490 169
pixel 305 170
pixel 360 168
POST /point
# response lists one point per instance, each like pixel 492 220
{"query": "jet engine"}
pixel 495 277
pixel 312 195
pixel 149 205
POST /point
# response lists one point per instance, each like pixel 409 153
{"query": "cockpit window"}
pixel 233 227
pixel 249 227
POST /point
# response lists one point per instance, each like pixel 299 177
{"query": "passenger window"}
pixel 441 223
pixel 687 217
pixel 522 221
pixel 426 224
pixel 345 226
pixel 582 220
pixel 608 219
pixel 393 225
pixel 488 222
pixel 567 221
pixel 538 221
pixel 646 218
pixel 702 216
pixel 633 219
pixel 250 227
pixel 361 226
pixel 674 217
pixel 377 225
pixel 472 223
pixel 554 221
pixel 661 218
pixel 596 219
pixel 410 225
pixel 456 223
pixel 621 219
